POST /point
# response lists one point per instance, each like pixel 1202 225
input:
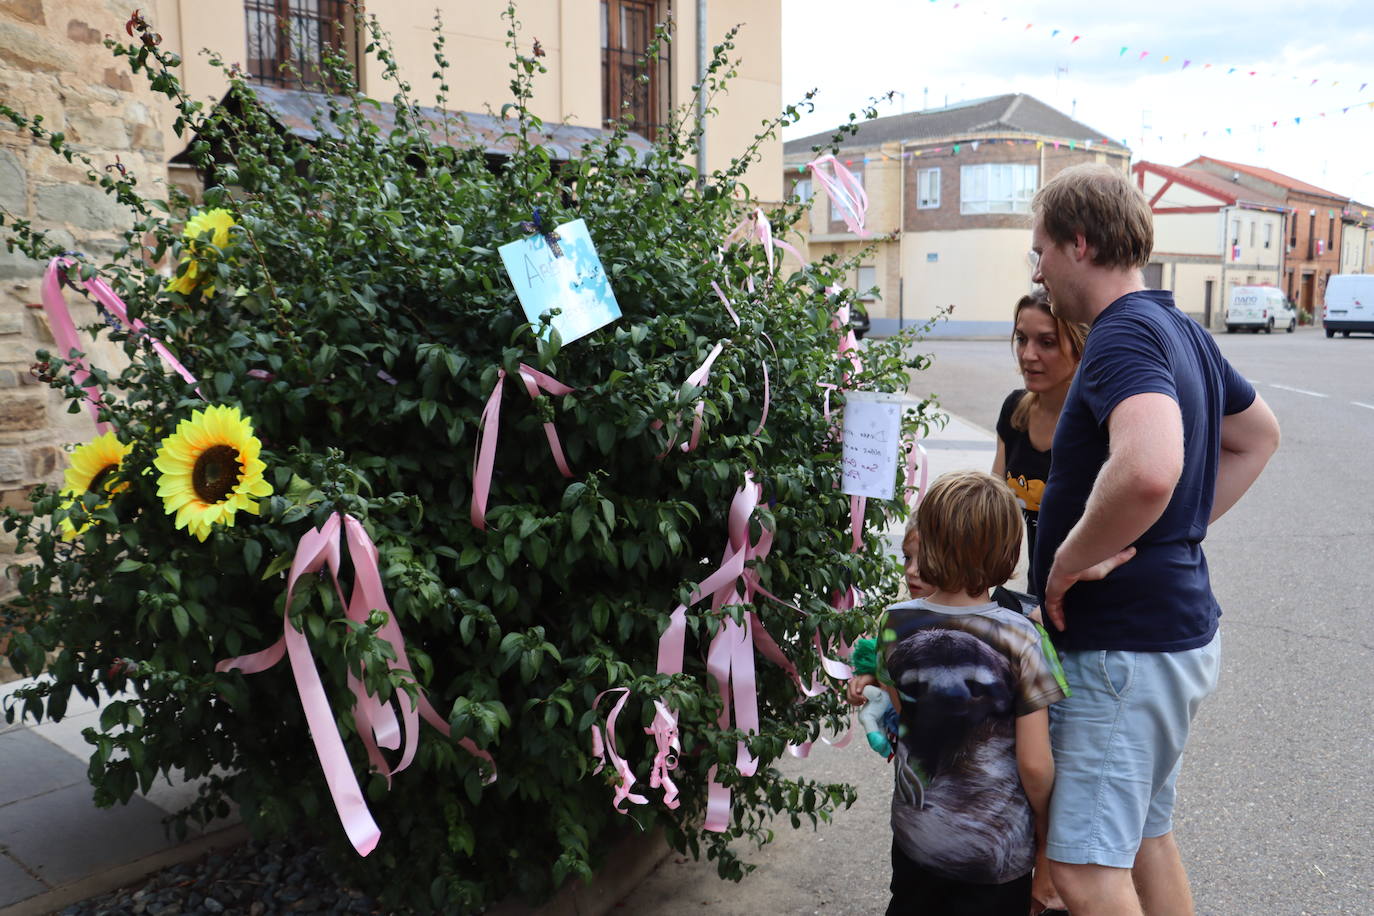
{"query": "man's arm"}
pixel 1248 440
pixel 1131 492
pixel 1035 763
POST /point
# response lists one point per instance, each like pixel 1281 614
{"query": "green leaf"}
pixel 128 565
pixel 181 619
pixel 252 555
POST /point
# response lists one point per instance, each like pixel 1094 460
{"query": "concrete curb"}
pixel 129 873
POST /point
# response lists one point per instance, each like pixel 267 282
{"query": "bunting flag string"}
pixel 1171 61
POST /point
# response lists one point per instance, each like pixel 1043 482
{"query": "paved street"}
pixel 1277 794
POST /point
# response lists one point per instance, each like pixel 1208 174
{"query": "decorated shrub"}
pixel 335 326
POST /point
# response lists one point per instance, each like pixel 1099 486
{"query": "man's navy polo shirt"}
pixel 1161 600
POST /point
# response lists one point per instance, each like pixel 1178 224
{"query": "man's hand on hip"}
pixel 1060 581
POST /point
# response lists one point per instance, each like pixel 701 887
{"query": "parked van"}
pixel 1259 308
pixel 1349 304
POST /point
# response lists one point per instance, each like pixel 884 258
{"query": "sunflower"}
pixel 210 226
pixel 210 470
pixel 92 470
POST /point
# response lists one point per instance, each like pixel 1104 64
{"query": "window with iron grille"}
pixel 288 40
pixel 634 84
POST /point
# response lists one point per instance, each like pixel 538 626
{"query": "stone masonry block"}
pixel 11 465
pixel 24 10
pixel 9 378
pixel 11 322
pixel 13 184
pixel 27 49
pixel 16 498
pixel 15 265
pixel 82 205
pixel 80 31
pixel 17 351
pixel 43 461
pixel 23 412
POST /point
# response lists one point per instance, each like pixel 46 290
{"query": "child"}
pixel 972 682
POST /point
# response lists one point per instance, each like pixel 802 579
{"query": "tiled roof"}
pixel 1230 191
pixel 1278 178
pixel 1015 113
pixel 306 115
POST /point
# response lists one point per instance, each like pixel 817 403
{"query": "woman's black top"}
pixel 1027 469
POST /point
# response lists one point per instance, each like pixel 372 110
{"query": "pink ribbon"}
pixel 697 379
pixel 64 329
pixel 846 194
pixel 604 749
pixel 914 448
pixel 488 431
pixel 755 226
pixel 375 721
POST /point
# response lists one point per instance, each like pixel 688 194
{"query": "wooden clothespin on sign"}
pixel 551 237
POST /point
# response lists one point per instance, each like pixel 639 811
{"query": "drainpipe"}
pixel 701 92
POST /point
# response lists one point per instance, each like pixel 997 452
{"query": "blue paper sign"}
pixel 562 272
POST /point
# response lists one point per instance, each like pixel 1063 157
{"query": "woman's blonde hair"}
pixel 970 527
pixel 1072 335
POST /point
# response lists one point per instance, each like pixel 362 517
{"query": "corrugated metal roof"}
pixel 1013 113
pixel 306 115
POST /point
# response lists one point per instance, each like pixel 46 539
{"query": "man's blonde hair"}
pixel 970 527
pixel 1099 203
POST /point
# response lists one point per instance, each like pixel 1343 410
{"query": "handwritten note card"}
pixel 567 277
pixel 872 438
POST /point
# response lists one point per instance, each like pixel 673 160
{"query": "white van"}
pixel 1349 304
pixel 1259 308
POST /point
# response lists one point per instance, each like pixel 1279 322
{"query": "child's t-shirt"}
pixel 964 675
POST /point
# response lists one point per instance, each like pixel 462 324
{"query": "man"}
pixel 1158 437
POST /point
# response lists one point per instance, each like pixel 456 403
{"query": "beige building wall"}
pixel 957 276
pixel 568 31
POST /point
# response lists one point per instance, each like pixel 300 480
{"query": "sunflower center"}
pixel 215 473
pixel 101 481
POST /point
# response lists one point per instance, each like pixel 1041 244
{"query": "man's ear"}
pixel 1081 249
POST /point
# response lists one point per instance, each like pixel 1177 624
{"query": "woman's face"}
pixel 1043 358
pixel 914 585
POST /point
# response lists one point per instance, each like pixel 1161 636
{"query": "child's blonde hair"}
pixel 970 527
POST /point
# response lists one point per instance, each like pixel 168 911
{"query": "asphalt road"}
pixel 1276 806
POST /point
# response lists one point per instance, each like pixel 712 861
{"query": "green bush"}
pixel 359 316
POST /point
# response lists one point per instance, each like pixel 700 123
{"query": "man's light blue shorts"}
pixel 1118 743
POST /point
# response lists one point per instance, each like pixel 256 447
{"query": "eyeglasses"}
pixel 1033 259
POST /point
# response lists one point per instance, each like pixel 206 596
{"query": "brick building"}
pixel 1312 236
pixel 949 194
pixel 1211 234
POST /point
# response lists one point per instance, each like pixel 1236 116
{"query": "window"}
pixel 1331 234
pixel 1252 232
pixel 634 86
pixel 996 187
pixel 802 189
pixel 1268 234
pixel 1293 232
pixel 868 278
pixel 927 189
pixel 289 39
pixel 1235 232
pixel 835 211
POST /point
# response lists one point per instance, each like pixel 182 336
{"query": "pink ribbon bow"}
pixel 755 226
pixel 375 721
pixel 64 329
pixel 847 195
pixel 488 430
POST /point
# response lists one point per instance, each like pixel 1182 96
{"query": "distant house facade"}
pixel 1211 235
pixel 950 192
pixel 1312 236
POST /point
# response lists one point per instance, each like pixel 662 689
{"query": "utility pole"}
pixel 701 93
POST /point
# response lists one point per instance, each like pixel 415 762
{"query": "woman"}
pixel 1047 350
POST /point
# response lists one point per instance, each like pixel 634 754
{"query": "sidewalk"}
pixel 57 847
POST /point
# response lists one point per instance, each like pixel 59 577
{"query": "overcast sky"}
pixel 938 52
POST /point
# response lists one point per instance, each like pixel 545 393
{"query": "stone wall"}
pixel 53 63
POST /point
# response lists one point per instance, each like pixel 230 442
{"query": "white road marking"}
pixel 1363 404
pixel 1315 394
